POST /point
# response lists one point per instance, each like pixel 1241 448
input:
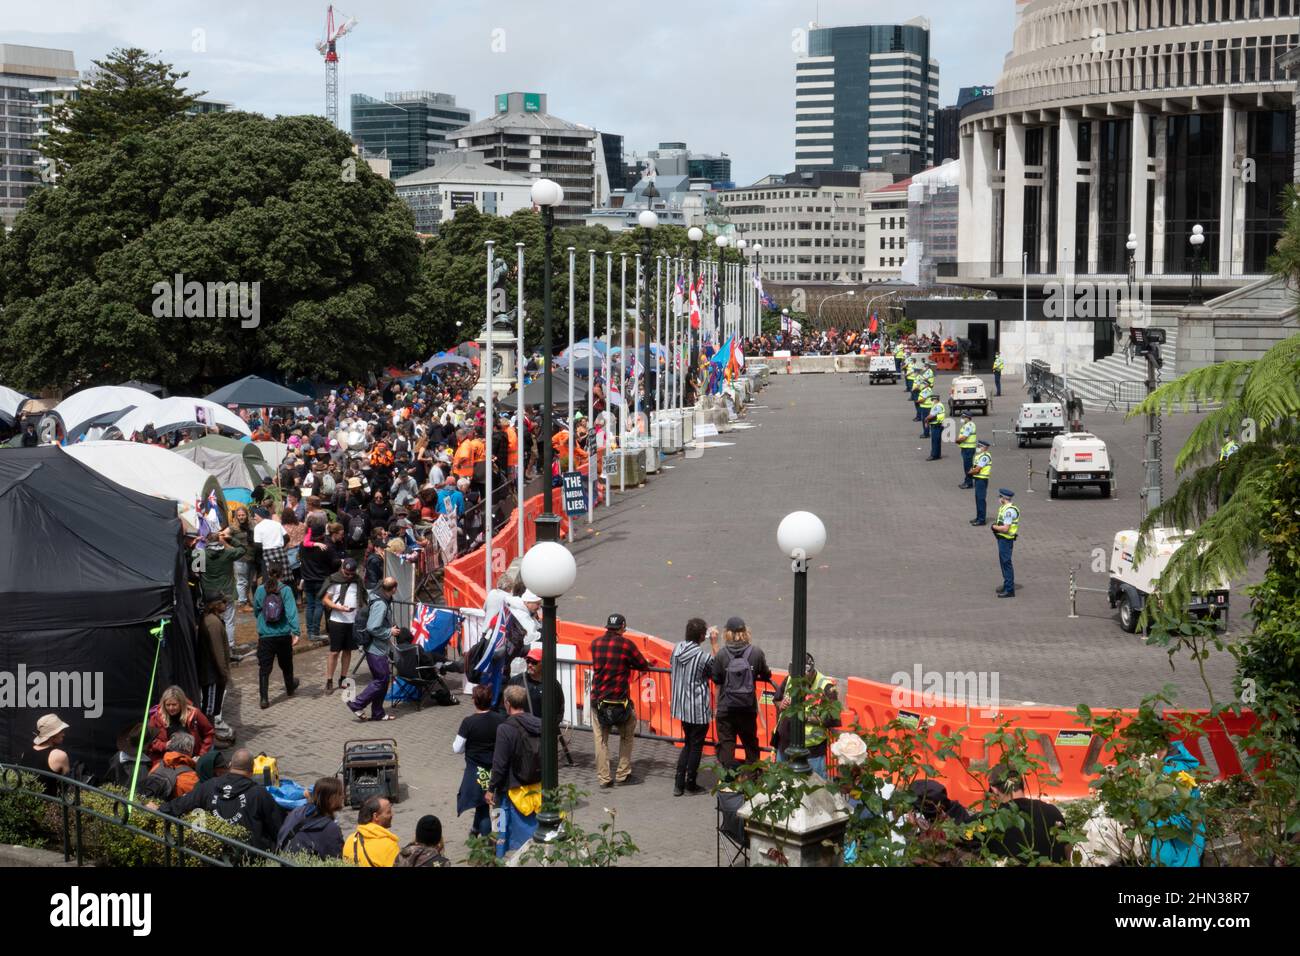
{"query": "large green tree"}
pixel 228 197
pixel 127 93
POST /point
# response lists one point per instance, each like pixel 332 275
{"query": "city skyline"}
pixel 267 63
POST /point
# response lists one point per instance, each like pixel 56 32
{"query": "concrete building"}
pixel 813 225
pixel 457 179
pixel 1143 117
pixel 932 200
pixel 615 173
pixel 409 128
pixel 886 235
pixel 947 140
pixel 522 137
pixel 864 92
pixel 682 201
pixel 24 69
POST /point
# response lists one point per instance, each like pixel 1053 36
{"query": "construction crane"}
pixel 328 50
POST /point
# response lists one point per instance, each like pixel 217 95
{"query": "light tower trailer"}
pixel 1133 585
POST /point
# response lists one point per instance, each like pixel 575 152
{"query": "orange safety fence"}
pixel 1057 736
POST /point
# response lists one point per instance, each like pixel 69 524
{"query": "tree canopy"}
pixel 224 197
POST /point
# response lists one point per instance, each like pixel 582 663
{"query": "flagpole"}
pixel 571 422
pixel 609 401
pixel 487 434
pixel 622 369
pixel 659 301
pixel 642 271
pixel 521 430
pixel 591 346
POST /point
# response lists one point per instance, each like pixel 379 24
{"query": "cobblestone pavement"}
pixel 904 580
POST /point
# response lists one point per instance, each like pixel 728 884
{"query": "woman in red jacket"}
pixel 175 712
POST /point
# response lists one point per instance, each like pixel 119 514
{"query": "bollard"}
pixel 1074 596
pixel 1029 477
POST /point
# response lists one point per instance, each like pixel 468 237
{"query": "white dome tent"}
pixel 152 471
pixel 169 414
pixel 80 409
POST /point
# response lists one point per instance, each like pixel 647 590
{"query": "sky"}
pixel 718 76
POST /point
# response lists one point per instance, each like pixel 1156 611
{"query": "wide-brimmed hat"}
pixel 47 728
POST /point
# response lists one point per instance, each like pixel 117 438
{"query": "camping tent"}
pixel 238 465
pixel 10 403
pixel 169 414
pixel 255 392
pixel 534 393
pixel 79 409
pixel 87 568
pixel 152 471
pixel 273 451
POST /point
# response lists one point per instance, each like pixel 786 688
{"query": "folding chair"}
pixel 731 829
pixel 406 665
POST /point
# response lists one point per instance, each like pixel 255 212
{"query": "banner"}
pixel 575 493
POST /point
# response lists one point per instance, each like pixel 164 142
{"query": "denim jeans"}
pixel 242 572
pixel 315 609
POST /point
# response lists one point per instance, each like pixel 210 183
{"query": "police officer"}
pixel 899 354
pixel 980 470
pixel 924 403
pixel 1005 531
pixel 997 372
pixel 934 422
pixel 966 440
pixel 1228 449
pixel 918 383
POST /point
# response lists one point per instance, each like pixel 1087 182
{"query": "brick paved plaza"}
pixel 904 580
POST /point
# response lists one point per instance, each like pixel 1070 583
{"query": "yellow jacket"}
pixel 378 846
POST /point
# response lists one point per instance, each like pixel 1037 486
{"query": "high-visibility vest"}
pixel 997 363
pixel 937 413
pixel 929 376
pixel 898 353
pixel 1009 515
pixel 1229 449
pixel 983 465
pixel 966 437
pixel 512 442
pixel 926 400
pixel 814 734
pixel 462 465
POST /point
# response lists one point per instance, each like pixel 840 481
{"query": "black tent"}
pixel 535 392
pixel 87 569
pixel 254 392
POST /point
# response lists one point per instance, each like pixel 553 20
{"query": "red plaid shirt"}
pixel 613 659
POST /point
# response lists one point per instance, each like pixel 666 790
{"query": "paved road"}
pixel 904 580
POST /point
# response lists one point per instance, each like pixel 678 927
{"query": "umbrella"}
pixel 255 392
pixel 535 394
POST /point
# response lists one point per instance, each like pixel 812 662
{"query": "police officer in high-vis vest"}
pixel 966 440
pixel 980 470
pixel 1005 531
pixel 925 402
pixel 997 372
pixel 899 354
pixel 918 383
pixel 934 422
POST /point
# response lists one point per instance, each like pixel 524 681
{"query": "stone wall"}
pixel 1241 325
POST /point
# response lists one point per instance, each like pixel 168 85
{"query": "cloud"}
pixel 719 78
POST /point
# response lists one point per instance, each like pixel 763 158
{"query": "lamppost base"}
pixel 548 527
pixel 797 758
pixel 550 827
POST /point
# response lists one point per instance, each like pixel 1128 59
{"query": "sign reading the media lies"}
pixel 575 493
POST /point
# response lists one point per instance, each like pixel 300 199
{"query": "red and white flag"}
pixel 695 309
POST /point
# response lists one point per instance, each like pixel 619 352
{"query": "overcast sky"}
pixel 719 75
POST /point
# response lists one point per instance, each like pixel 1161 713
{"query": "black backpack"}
pixel 526 761
pixel 474 661
pixel 273 608
pixel 357 530
pixel 738 682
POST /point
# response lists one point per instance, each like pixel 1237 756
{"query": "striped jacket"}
pixel 692 697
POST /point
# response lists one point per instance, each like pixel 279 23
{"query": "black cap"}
pixel 428 830
pixel 350 564
pixel 735 624
pixel 616 622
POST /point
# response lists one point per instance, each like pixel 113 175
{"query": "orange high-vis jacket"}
pixel 462 464
pixel 512 438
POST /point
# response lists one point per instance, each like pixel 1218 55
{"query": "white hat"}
pixel 530 598
pixel 48 727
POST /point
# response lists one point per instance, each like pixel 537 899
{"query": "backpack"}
pixel 473 661
pixel 273 608
pixel 162 781
pixel 327 485
pixel 738 682
pixel 526 761
pixel 357 530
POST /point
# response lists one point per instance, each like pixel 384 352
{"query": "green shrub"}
pixel 21 813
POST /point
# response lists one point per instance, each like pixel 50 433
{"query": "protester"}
pixel 344 598
pixel 174 713
pixel 531 681
pixel 277 634
pixel 1046 823
pixel 816 729
pixel 319 559
pixel 221 560
pixel 515 785
pixel 236 798
pixel 213 659
pixel 372 843
pixel 476 739
pixel 47 752
pixel 613 659
pixel 269 534
pixel 175 776
pixel 427 849
pixel 312 828
pixel 692 702
pixel 379 632
pixel 737 669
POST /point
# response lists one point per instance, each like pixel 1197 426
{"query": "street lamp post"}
pixel 801 537
pixel 546 195
pixel 1197 239
pixel 648 220
pixel 721 243
pixel 548 570
pixel 823 302
pixel 695 234
pixel 756 328
pixel 737 326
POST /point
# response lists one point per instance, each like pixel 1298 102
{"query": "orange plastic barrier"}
pixel 1058 739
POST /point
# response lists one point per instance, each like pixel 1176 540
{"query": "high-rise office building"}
pixel 947 138
pixel 523 138
pixel 410 128
pixel 615 174
pixel 863 93
pixel 22 70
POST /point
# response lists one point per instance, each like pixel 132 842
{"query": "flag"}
pixel 874 325
pixel 679 294
pixel 695 309
pixel 432 627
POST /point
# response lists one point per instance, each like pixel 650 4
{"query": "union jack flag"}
pixel 432 627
